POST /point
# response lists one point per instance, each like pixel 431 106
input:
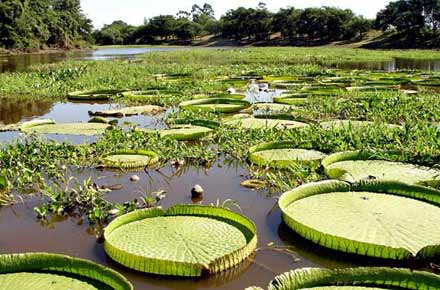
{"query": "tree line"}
pixel 241 24
pixel 62 23
pixel 43 23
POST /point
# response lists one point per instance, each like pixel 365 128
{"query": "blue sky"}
pixel 134 11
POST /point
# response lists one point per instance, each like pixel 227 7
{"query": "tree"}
pixel 117 32
pixel 40 23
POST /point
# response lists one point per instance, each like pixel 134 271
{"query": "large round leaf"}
pixel 183 241
pixel 86 129
pixel 128 111
pixel 186 132
pixel 219 105
pixel 282 155
pixel 355 279
pixel 355 166
pixel 381 219
pixel 92 95
pixel 128 159
pixel 258 123
pixel 337 124
pixel 38 281
pixel 41 271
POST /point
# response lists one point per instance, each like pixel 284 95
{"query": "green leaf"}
pixel 354 166
pixel 257 123
pixel 128 159
pixel 385 219
pixel 283 155
pixel 128 111
pixel 18 272
pixel 186 240
pixel 355 279
pixel 86 129
pixel 218 105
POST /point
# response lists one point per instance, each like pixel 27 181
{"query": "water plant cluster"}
pixel 355 151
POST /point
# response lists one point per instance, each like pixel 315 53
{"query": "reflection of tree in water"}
pixel 13 111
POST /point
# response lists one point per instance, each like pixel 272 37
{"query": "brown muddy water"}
pixel 22 232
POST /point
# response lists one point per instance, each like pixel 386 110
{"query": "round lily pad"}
pixel 338 124
pixel 355 166
pixel 128 159
pixel 388 220
pixel 38 281
pixel 288 100
pixel 128 111
pixel 185 240
pixel 92 95
pixel 41 271
pixel 186 132
pixel 258 123
pixel 283 155
pixel 86 129
pixel 219 105
pixel 363 278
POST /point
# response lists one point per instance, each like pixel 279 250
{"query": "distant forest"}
pixel 62 24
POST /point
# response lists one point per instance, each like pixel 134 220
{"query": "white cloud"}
pixel 134 11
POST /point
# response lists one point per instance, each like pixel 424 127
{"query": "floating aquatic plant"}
pixel 383 219
pixel 362 278
pixel 215 240
pixel 56 272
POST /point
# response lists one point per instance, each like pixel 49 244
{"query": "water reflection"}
pixel 14 111
pixel 24 62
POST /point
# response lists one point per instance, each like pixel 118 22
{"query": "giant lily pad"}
pixel 338 124
pixel 272 107
pixel 128 159
pixel 219 105
pixel 289 100
pixel 50 127
pixel 258 123
pixel 186 132
pixel 381 219
pixel 92 95
pixel 283 155
pixel 185 240
pixel 128 111
pixel 41 271
pixel 354 166
pixel 373 278
pixel 85 129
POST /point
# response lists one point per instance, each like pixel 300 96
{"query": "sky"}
pixel 134 11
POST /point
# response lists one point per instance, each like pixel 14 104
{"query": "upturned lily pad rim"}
pixel 337 173
pixel 337 243
pixel 193 104
pixel 59 264
pixel 154 157
pixel 171 268
pixel 274 146
pixel 103 94
pixel 387 278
